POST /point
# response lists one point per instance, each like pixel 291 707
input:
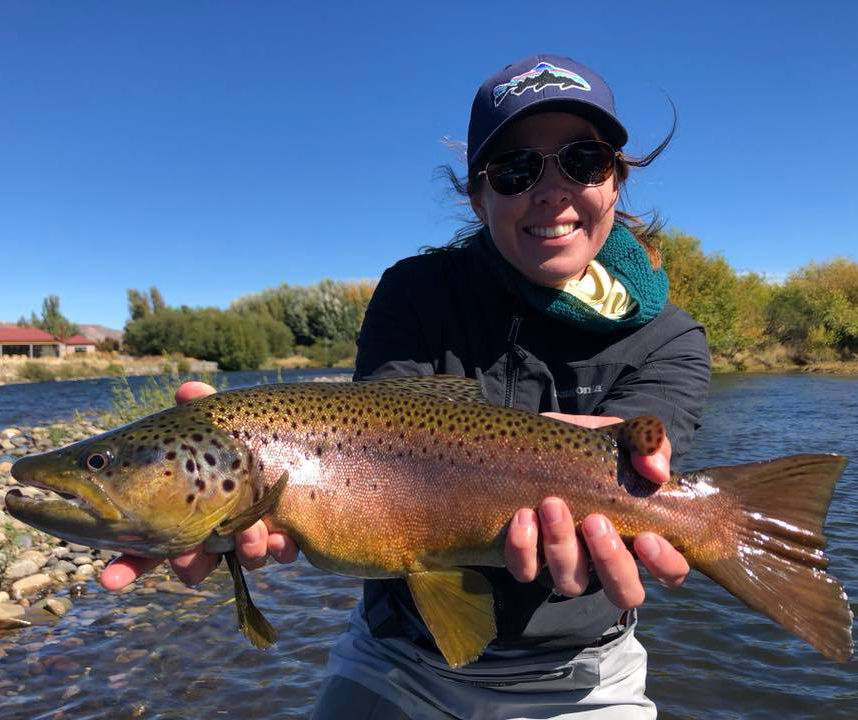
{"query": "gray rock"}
pixel 84 572
pixel 8 433
pixel 66 566
pixel 82 560
pixel 5 467
pixel 61 552
pixel 6 445
pixel 30 585
pixel 21 569
pixel 75 548
pixel 127 656
pixel 172 586
pixel 20 441
pixel 71 691
pixel 58 576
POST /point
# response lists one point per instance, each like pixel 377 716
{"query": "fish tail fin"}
pixel 777 565
pixel 251 621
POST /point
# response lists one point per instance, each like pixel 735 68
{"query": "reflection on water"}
pixel 174 656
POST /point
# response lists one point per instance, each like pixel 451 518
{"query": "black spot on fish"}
pixel 190 465
pixel 312 494
pixel 228 485
pixel 216 443
pixel 201 484
pixel 171 455
pixel 167 473
pixel 236 464
pixel 197 437
pixel 210 459
pixel 189 499
pixel 348 482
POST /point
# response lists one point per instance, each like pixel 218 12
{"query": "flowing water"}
pixel 160 655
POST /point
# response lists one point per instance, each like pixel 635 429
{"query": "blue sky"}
pixel 218 148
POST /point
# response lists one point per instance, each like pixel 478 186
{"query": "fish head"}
pixel 155 487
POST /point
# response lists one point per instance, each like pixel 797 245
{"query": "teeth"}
pixel 550 232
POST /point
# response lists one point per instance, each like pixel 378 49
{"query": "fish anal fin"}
pixel 251 621
pixel 642 435
pixel 259 509
pixel 457 606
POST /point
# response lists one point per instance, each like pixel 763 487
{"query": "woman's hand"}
pixel 252 546
pixel 568 561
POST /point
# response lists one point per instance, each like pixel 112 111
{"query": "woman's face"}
pixel 551 232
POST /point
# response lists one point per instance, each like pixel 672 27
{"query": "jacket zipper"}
pixel 514 356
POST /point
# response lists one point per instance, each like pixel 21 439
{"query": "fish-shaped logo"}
pixel 538 78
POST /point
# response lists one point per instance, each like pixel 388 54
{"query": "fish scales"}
pixel 381 481
pixel 419 478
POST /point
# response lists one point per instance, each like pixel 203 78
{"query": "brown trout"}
pixel 418 478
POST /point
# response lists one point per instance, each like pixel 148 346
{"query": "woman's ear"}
pixel 477 207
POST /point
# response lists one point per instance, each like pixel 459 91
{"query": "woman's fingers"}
pixel 192 390
pixel 655 467
pixel 126 569
pixel 566 559
pixel 661 559
pixel 522 558
pixel 613 563
pixel 194 566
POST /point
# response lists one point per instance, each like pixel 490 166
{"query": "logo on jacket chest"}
pixel 579 390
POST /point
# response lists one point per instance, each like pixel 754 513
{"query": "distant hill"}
pixel 99 332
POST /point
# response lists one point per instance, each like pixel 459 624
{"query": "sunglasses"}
pixel 586 162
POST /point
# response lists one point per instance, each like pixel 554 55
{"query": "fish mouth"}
pixel 80 492
pixel 83 513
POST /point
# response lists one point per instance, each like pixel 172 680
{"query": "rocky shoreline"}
pixel 40 575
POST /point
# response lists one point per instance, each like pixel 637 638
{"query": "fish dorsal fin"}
pixel 251 622
pixel 259 509
pixel 642 435
pixel 458 607
pixel 453 388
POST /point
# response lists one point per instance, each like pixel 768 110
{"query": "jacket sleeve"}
pixel 392 338
pixel 672 384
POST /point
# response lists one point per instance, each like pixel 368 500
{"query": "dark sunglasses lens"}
pixel 588 163
pixel 514 172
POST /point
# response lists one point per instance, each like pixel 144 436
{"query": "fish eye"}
pixel 97 460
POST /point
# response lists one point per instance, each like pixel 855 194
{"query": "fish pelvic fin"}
pixel 251 621
pixel 457 606
pixel 778 566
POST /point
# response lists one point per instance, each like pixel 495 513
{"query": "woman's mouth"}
pixel 551 231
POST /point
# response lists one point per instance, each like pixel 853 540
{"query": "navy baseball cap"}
pixel 536 84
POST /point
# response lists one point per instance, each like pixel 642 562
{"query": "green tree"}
pixel 158 303
pixel 138 305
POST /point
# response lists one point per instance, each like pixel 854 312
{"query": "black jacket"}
pixel 452 312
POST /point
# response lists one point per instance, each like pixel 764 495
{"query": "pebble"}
pixel 58 576
pixel 66 566
pixel 82 559
pixel 21 569
pixel 75 548
pixel 11 616
pixel 172 586
pixel 60 552
pixel 84 572
pixel 4 596
pixel 127 656
pixel 71 691
pixel 57 606
pixel 5 467
pixel 30 585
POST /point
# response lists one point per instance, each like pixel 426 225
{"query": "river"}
pixel 159 655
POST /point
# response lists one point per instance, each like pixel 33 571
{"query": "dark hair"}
pixel 645 232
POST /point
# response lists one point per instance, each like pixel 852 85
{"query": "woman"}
pixel 557 304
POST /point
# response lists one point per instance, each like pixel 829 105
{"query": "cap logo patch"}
pixel 540 77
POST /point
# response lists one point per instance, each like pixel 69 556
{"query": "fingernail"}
pixel 524 520
pixel 648 547
pixel 551 512
pixel 594 528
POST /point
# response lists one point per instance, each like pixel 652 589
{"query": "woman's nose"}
pixel 553 188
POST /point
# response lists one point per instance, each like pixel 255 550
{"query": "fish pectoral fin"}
pixel 259 509
pixel 458 607
pixel 251 622
pixel 642 435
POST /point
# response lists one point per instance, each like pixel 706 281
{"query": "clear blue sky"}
pixel 218 148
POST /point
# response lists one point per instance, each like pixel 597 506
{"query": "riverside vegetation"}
pixel 808 322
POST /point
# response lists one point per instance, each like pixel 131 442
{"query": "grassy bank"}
pixel 17 369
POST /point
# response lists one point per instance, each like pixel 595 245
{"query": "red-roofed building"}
pixel 34 343
pixel 29 341
pixel 79 344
